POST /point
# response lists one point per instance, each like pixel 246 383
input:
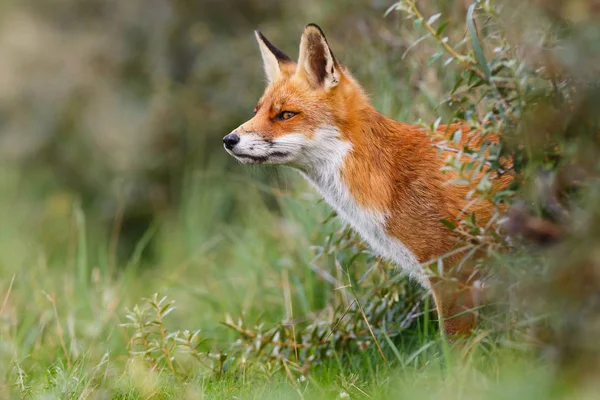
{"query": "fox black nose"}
pixel 231 140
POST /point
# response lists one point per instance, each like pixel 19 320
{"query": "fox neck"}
pixel 347 164
pixel 334 163
pixel 325 158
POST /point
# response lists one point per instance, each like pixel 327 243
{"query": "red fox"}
pixel 382 176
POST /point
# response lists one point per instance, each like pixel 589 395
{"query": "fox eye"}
pixel 284 115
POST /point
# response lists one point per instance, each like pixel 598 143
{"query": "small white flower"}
pixel 343 395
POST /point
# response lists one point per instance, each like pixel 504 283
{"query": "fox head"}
pixel 300 120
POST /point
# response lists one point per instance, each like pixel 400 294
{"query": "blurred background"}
pixel 114 184
pixel 114 106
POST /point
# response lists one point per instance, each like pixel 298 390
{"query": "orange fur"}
pixel 392 169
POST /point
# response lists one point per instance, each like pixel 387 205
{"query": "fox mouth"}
pixel 259 159
pixel 255 159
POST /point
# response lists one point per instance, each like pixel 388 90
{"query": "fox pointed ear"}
pixel 316 59
pixel 272 57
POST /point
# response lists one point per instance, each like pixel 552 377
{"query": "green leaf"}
pixel 457 84
pixel 475 42
pixel 477 84
pixel 448 224
pixel 167 312
pixel 457 136
pixel 435 56
pixel 392 8
pixel 440 266
pixel 441 28
pixel 433 18
pixel 473 219
pixel 459 182
pixel 419 40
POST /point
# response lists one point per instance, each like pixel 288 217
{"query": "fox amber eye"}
pixel 286 115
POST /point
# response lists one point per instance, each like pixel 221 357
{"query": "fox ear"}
pixel 272 57
pixel 316 59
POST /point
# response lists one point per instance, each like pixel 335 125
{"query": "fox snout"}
pixel 231 140
pixel 254 148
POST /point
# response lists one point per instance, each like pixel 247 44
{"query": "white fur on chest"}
pixel 326 157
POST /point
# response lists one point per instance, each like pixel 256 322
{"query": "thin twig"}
pixel 340 320
pixel 7 294
pixel 371 331
pixel 360 390
pixel 114 237
pixel 291 378
pixel 163 334
pixel 288 301
pixel 446 255
pixel 412 314
pixel 59 329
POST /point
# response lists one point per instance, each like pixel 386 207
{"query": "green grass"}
pixel 211 269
